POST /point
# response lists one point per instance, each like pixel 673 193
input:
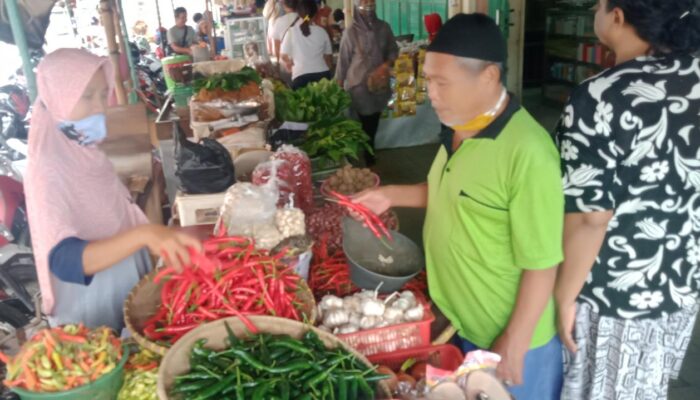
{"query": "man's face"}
pixel 181 20
pixel 453 89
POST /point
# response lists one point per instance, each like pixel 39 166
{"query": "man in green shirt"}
pixel 495 206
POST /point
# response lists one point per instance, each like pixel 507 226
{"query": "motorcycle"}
pixel 151 85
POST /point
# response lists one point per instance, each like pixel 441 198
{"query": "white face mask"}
pixel 87 131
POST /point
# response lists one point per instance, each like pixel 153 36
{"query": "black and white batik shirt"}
pixel 630 142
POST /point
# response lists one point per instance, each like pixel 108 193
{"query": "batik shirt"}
pixel 630 142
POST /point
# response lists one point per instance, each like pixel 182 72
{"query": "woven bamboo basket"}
pixel 144 300
pixel 177 360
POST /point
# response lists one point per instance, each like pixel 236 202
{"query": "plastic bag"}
pixel 302 186
pixel 288 133
pixel 248 208
pixel 279 174
pixel 204 167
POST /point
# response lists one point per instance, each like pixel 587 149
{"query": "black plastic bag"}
pixel 288 133
pixel 204 167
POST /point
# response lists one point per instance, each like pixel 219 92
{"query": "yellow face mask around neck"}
pixel 484 120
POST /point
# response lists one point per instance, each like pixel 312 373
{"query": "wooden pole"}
pixel 210 30
pixel 120 24
pixel 349 9
pixel 108 24
pixel 160 25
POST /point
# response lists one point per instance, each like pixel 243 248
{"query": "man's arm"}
pixel 584 234
pixel 181 50
pixel 381 199
pixel 533 295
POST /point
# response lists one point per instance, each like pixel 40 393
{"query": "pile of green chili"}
pixel 275 367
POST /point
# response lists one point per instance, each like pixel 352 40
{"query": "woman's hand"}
pixel 173 246
pixel 566 320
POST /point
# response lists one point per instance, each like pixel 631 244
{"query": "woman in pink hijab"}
pixel 91 243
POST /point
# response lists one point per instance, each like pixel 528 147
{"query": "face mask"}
pixel 482 121
pixel 87 131
pixel 368 8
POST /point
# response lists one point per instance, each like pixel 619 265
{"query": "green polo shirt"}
pixel 495 209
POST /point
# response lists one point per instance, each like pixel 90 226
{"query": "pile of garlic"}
pixel 364 310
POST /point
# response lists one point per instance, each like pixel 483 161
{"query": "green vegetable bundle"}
pixel 319 100
pixel 275 367
pixel 335 139
pixel 228 81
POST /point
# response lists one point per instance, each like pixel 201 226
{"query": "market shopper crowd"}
pixel 590 239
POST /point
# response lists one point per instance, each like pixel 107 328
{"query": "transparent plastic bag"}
pixel 302 185
pixel 279 174
pixel 247 208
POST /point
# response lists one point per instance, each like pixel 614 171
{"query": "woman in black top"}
pixel 630 148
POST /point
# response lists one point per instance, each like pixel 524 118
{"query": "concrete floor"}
pixel 410 165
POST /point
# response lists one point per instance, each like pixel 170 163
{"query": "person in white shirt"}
pixel 306 48
pixel 283 24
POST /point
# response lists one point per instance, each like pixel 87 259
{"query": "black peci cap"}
pixel 472 36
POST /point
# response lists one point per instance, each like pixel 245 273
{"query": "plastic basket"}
pixel 181 95
pixel 104 388
pixel 444 356
pixel 389 339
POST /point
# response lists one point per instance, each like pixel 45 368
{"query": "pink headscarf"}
pixel 72 191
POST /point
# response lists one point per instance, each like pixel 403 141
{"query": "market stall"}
pixel 298 291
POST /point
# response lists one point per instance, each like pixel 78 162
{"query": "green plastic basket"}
pixel 105 388
pixel 181 95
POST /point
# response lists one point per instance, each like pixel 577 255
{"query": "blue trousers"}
pixel 542 374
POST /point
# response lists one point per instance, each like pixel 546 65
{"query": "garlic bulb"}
pixel 414 314
pixel 373 308
pixel 402 304
pixel 352 304
pixel 393 315
pixel 290 222
pixel 346 329
pixel 408 295
pixel 369 322
pixel 365 294
pixel 354 319
pixel 330 302
pixel 336 318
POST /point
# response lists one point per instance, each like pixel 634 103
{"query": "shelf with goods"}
pixel 572 52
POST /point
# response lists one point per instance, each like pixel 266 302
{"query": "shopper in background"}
pixel 629 141
pixel 306 49
pixel 367 51
pixel 181 36
pixel 495 211
pixel 91 242
pixel 323 16
pixel 271 12
pixel 202 24
pixel 283 24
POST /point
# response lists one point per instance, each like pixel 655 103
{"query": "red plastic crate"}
pixel 444 356
pixel 392 338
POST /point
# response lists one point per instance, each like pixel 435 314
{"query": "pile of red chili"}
pixel 231 278
pixel 370 219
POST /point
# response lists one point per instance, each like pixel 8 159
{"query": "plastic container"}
pixel 105 388
pixel 177 69
pixel 199 209
pixel 444 356
pixel 389 339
